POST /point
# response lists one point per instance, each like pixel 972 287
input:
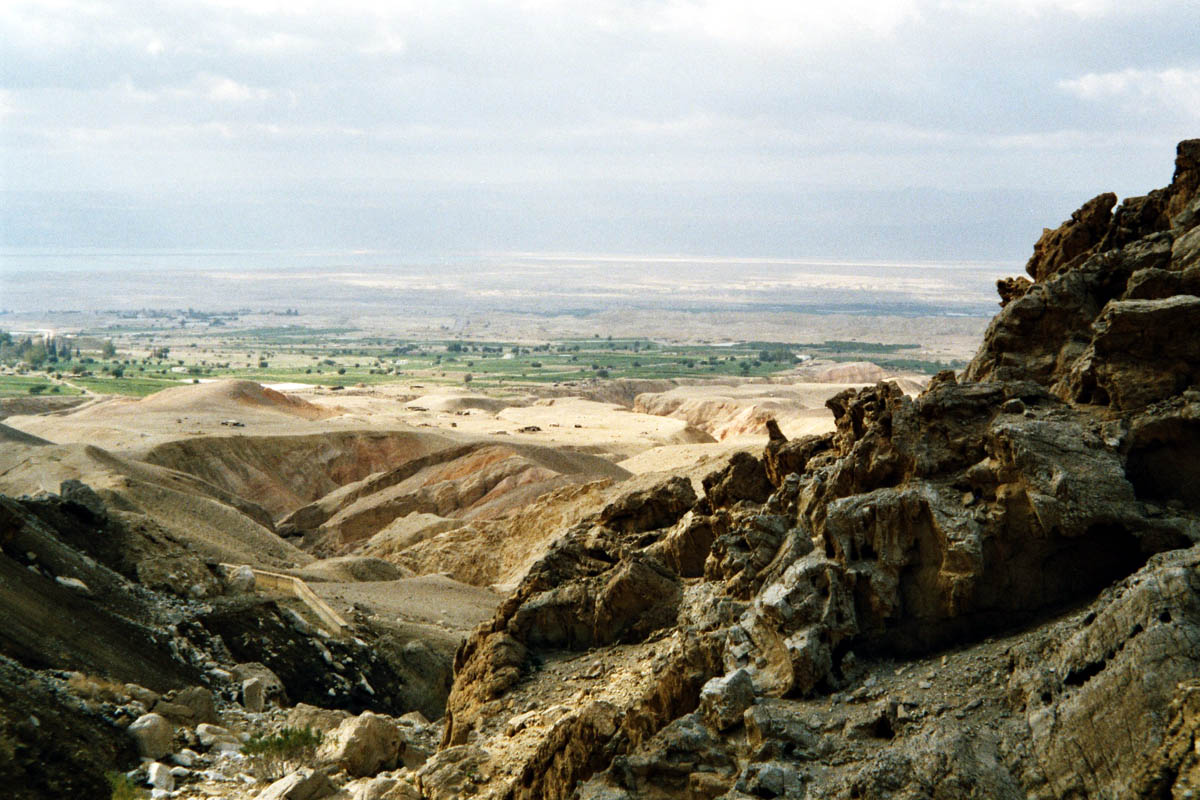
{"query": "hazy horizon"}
pixel 42 284
pixel 862 129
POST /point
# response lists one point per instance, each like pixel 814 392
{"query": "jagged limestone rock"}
pixel 1060 463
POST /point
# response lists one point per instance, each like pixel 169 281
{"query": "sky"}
pixel 850 129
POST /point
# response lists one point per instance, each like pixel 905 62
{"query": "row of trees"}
pixel 38 352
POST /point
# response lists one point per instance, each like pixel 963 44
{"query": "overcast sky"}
pixel 913 128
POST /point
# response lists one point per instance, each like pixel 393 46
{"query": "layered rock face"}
pixel 991 590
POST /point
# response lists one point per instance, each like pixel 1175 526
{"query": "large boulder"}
pixel 304 784
pixel 364 745
pixel 154 735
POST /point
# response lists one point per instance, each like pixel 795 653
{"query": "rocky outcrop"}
pixel 744 478
pixel 1066 245
pixel 1048 331
pixel 1012 288
pixel 648 509
pixel 880 611
pixel 1107 684
pixel 1136 356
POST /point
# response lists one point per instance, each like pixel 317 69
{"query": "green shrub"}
pixel 273 756
pixel 123 787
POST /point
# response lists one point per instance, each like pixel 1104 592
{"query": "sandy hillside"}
pixel 217 524
pixel 729 412
pixel 338 468
pixel 479 480
pixel 435 480
pixel 432 600
pixel 284 472
pixel 493 553
pixel 693 460
pixel 12 436
pixel 190 410
pixel 690 414
pixel 234 395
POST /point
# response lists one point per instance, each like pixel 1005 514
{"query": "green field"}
pixel 133 386
pixel 333 357
pixel 17 385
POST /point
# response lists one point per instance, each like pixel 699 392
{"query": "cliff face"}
pixel 991 590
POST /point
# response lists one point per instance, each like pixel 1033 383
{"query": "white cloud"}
pixel 385 41
pixel 216 89
pixel 220 89
pixel 783 23
pixel 1177 88
pixel 275 43
pixel 51 24
pixel 863 93
pixel 1084 9
pixel 125 90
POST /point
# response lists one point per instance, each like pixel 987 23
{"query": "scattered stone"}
pixel 773 779
pixel 154 735
pixel 414 718
pixel 143 695
pixel 453 773
pixel 83 496
pixel 159 776
pixel 176 712
pixel 240 579
pixel 73 583
pixel 520 722
pixel 1013 406
pixel 303 715
pixel 197 702
pixel 217 738
pixel 387 787
pixel 253 694
pixel 186 758
pixel 304 784
pixel 273 688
